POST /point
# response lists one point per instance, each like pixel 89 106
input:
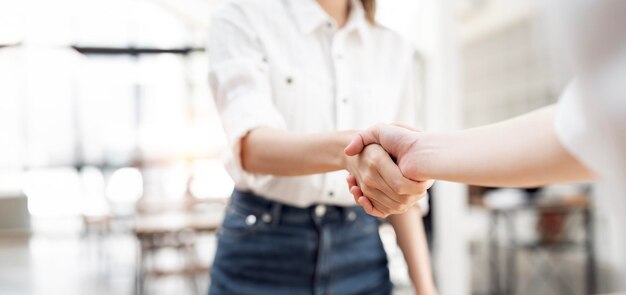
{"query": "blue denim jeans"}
pixel 266 247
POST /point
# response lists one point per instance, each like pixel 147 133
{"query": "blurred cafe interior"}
pixel 111 147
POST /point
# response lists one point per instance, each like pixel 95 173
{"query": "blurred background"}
pixel 111 180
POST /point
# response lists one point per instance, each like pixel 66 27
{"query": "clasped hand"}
pixel 379 184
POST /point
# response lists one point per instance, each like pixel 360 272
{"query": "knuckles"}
pixel 372 162
pixel 397 207
pixel 367 191
pixel 369 179
pixel 399 187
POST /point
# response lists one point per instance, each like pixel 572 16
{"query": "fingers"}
pixel 364 138
pixel 427 185
pixel 373 179
pixel 378 200
pixel 393 183
pixel 379 205
pixel 383 202
pixel 396 184
pixel 370 209
pixel 366 204
pixel 387 177
pixel 356 193
pixel 378 210
pixel 355 146
pixel 381 182
pixel 351 181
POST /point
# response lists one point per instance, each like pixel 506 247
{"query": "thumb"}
pixel 361 140
pixel 355 146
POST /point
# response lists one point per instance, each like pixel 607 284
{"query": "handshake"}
pixel 384 175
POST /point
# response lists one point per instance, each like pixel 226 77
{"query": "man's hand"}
pixel 373 173
pixel 398 142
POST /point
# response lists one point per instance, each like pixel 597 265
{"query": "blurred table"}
pixel 564 207
pixel 176 229
pixel 166 223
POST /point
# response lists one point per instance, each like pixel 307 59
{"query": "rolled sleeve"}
pixel 573 128
pixel 239 81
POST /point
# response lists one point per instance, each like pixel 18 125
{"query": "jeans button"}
pixel 250 219
pixel 351 216
pixel 320 210
pixel 266 217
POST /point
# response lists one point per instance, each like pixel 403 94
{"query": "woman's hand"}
pixel 377 184
pixel 399 141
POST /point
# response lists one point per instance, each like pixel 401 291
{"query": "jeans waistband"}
pixel 254 204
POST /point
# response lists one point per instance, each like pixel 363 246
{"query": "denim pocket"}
pixel 238 223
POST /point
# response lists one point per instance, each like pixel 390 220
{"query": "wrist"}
pixel 431 290
pixel 423 285
pixel 343 139
pixel 429 153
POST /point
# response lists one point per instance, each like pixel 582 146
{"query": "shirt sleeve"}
pixel 239 79
pixel 574 128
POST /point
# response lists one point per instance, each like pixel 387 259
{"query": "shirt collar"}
pixel 309 16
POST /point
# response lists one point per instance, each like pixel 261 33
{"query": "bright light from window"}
pixel 125 186
pixel 50 132
pixel 11 123
pixel 11 182
pixel 48 23
pixel 53 192
pixel 174 181
pixel 93 187
pixel 11 21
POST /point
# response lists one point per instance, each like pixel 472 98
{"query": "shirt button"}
pixel 266 217
pixel 320 210
pixel 250 219
pixel 344 100
pixel 331 194
pixel 329 25
pixel 339 57
pixel 289 80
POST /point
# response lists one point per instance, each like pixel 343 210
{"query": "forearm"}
pixel 520 152
pixel 411 239
pixel 284 153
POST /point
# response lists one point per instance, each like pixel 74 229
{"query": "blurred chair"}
pixel 174 225
pixel 96 216
pixel 557 221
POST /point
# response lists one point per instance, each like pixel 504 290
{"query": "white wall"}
pixel 444 106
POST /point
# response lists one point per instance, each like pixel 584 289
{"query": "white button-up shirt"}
pixel 591 116
pixel 285 64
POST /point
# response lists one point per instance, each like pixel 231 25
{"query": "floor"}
pixel 63 262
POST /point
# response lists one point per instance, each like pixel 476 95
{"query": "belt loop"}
pixel 276 210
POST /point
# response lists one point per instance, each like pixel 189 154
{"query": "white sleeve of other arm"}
pixel 239 78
